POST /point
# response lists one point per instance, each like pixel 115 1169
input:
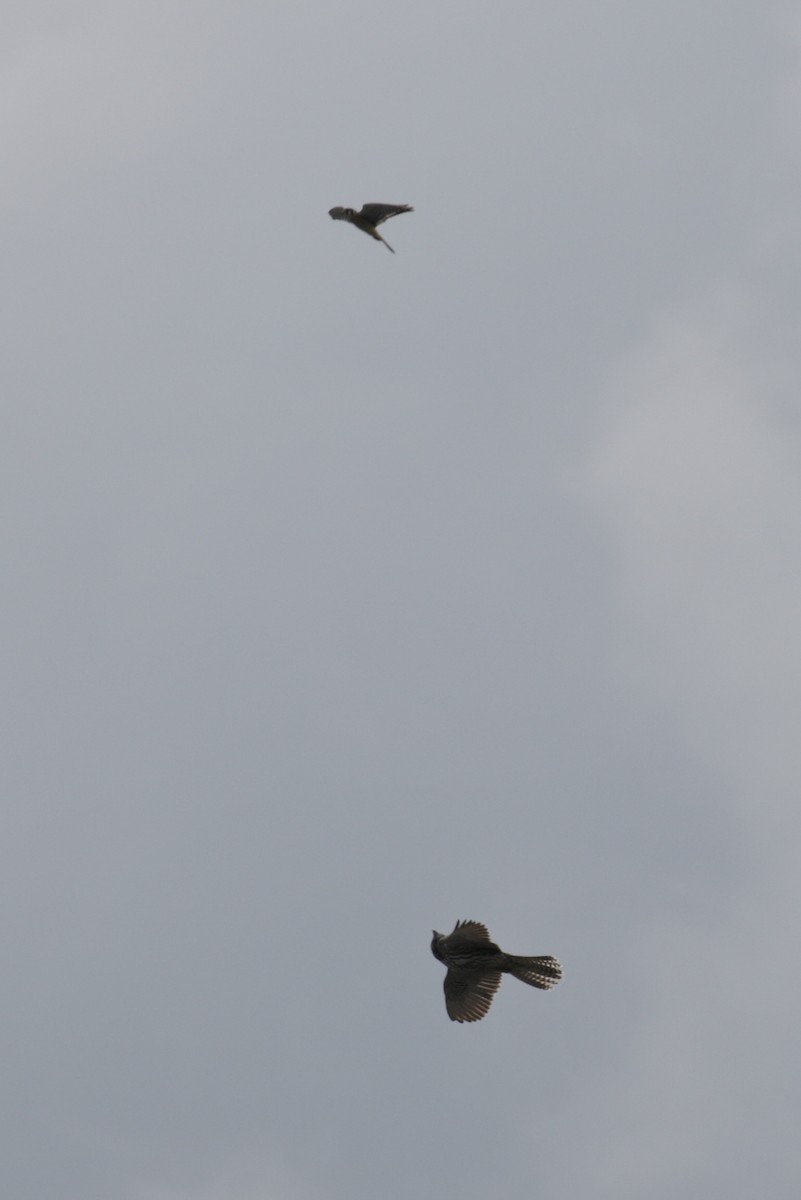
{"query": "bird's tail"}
pixel 541 972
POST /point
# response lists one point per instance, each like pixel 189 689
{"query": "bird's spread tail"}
pixel 541 972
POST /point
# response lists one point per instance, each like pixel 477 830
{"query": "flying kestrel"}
pixel 369 217
pixel 475 965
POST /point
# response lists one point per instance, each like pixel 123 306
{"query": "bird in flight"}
pixel 369 216
pixel 475 965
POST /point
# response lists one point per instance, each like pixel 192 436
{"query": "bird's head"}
pixel 340 214
pixel 436 943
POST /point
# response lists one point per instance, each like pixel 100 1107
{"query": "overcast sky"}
pixel 345 595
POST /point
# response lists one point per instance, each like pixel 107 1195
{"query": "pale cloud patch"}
pixel 98 81
pixel 695 483
pixel 698 485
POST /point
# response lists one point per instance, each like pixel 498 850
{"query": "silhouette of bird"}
pixel 475 965
pixel 369 216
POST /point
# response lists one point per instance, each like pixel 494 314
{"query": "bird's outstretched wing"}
pixel 469 943
pixel 472 931
pixel 468 996
pixel 374 214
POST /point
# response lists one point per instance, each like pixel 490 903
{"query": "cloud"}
pixel 696 480
pixel 696 488
pixel 84 87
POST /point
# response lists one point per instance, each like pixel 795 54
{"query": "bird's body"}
pixel 475 966
pixel 370 216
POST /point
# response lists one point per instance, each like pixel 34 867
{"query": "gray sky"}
pixel 347 594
